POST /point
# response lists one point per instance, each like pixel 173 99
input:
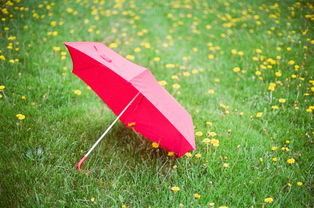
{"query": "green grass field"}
pixel 243 69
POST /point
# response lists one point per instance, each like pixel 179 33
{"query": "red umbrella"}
pixel 134 95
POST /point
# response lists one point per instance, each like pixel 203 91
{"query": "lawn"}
pixel 244 70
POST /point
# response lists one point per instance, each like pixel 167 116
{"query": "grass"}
pixel 199 44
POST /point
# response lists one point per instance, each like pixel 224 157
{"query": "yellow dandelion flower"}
pixel 131 124
pixel 259 114
pixel 268 200
pixel 210 56
pixel 211 91
pixel 162 82
pixel 156 59
pixel 206 140
pixel 186 74
pixel 281 100
pixel 291 160
pixel 2 87
pixel 113 45
pixel 188 154
pixel 137 50
pixel 130 57
pixel 214 142
pixel 198 133
pixel 299 183
pixel 197 196
pixel 20 116
pixel 53 23
pixel 176 86
pixel 155 145
pixel 291 62
pixel 211 204
pixel 271 86
pixel 275 107
pixel 170 154
pixel 175 188
pixel 77 92
pixel 92 199
pixel 234 51
pixel 278 74
pixel 198 155
pixel 236 69
pixel 225 165
pixel 274 159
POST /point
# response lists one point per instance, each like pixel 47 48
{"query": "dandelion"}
pixel 210 56
pixel 281 100
pixel 69 10
pixel 274 159
pixel 211 204
pixel 234 51
pixel 268 200
pixel 275 107
pixel 113 45
pixel 188 154
pixel 259 114
pixel 137 50
pixel 162 82
pixel 291 160
pixel 211 91
pixel 291 62
pixel 130 57
pixel 155 145
pixel 156 59
pixel 278 74
pixel 197 196
pixel 176 86
pixel 131 124
pixel 223 207
pixel 55 48
pixel 198 155
pixel 214 142
pixel 299 183
pixel 53 23
pixel 2 87
pixel 20 116
pixel 92 199
pixel 170 154
pixel 206 140
pixel 175 188
pixel 271 86
pixel 198 133
pixel 225 165
pixel 261 159
pixel 77 92
pixel 236 69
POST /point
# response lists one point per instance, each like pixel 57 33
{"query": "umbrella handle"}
pixel 78 166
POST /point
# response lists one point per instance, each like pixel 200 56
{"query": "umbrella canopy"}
pixel 154 112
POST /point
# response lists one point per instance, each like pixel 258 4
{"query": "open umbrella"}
pixel 134 95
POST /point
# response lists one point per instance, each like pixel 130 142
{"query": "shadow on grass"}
pixel 123 147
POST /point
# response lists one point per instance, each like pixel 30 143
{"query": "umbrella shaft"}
pixel 111 125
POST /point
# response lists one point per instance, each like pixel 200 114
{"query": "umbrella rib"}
pixel 107 130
